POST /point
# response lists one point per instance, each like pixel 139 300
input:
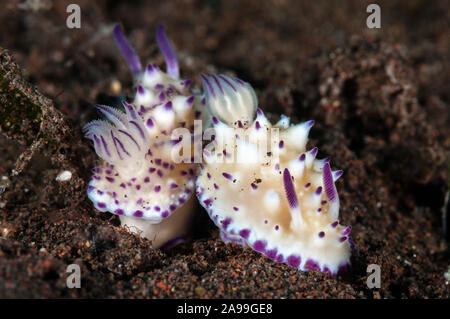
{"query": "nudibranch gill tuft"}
pixel 138 179
pixel 280 200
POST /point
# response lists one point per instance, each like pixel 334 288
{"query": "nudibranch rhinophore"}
pixel 138 178
pixel 263 189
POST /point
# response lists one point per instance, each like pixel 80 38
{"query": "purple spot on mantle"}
pixel 322 234
pixel 164 214
pixel 311 265
pixel 294 261
pixel 101 205
pixel 225 223
pixel 138 213
pixel 259 246
pixel 119 211
pixel 319 190
pixel 227 176
pixel 272 253
pixel 347 230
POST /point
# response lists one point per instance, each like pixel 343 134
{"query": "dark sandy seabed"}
pixel 380 99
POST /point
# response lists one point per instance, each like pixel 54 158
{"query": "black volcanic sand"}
pixel 380 99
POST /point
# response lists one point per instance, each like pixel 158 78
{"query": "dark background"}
pixel 380 99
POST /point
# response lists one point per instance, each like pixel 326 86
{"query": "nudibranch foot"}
pixel 139 179
pixel 269 192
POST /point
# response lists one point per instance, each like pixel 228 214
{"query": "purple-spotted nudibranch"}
pixel 138 178
pixel 281 202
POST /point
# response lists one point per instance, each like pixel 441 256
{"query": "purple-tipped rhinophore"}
pixel 168 53
pixel 127 51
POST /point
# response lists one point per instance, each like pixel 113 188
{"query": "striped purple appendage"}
pixel 123 138
pixel 289 189
pixel 127 50
pixel 168 53
pixel 330 189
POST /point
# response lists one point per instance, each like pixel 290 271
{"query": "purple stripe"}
pixel 131 137
pixel 239 81
pixel 90 125
pixel 289 189
pixel 105 145
pixel 126 50
pixel 109 110
pixel 227 82
pixel 130 108
pixel 208 84
pixel 97 142
pixel 115 139
pixel 168 53
pixel 139 129
pixel 218 83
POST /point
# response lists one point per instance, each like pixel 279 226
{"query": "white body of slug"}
pixel 279 200
pixel 139 180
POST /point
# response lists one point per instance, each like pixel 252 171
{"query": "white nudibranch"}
pixel 285 205
pixel 138 179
